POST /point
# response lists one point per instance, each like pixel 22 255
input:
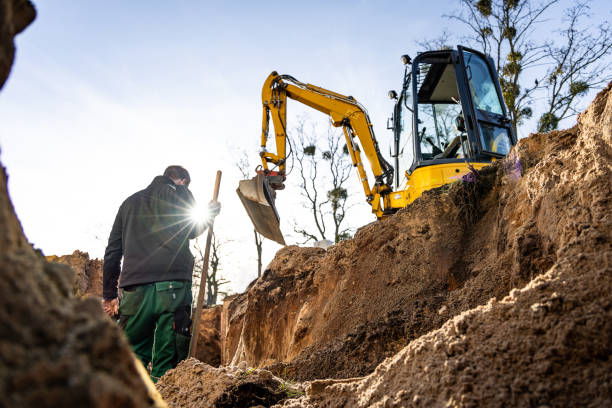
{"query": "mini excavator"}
pixel 448 119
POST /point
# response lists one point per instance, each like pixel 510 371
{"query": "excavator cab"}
pixel 449 113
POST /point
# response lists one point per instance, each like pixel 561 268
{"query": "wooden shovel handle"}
pixel 193 344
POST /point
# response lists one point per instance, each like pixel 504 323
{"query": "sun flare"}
pixel 199 214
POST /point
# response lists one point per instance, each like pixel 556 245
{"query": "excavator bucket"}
pixel 258 199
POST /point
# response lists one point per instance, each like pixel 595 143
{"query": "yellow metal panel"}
pixel 426 178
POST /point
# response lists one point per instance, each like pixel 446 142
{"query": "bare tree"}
pixel 213 279
pixel 440 42
pixel 505 30
pixel 577 66
pixel 323 167
pixel 244 166
pixel 308 168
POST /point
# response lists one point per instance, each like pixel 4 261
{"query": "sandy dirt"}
pixel 209 340
pixel 546 344
pixel 339 313
pixel 88 272
pixel 486 293
pixel 198 385
pixel 56 350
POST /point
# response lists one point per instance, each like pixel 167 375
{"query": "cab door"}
pixel 489 122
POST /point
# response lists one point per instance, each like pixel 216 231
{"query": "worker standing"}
pixel 151 233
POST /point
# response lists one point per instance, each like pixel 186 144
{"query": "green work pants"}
pixel 156 321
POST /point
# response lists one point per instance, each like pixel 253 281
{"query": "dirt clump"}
pixel 15 16
pixel 88 272
pixel 56 350
pixel 197 385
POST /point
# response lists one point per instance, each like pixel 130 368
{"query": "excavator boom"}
pixel 344 111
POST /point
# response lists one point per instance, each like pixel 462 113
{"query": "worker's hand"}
pixel 214 207
pixel 111 307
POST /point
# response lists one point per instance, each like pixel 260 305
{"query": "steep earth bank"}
pixel 87 272
pixel 339 313
pixel 500 288
pixel 209 341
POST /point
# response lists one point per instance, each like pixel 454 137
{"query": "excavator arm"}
pixel 258 194
pixel 344 111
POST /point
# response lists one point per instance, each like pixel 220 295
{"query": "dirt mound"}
pixel 317 314
pixel 197 385
pixel 548 344
pixel 88 272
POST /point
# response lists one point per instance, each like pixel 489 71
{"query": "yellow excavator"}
pixel 448 119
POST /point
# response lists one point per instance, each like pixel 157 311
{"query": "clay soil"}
pixel 493 292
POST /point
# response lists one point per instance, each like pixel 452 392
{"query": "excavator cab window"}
pixel 450 110
pixel 437 109
pixel 495 135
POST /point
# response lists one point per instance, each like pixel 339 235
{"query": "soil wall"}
pixel 209 339
pixel 510 307
pixel 87 272
pixel 546 344
pixel 341 312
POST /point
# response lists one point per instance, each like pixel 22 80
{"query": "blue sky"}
pixel 104 95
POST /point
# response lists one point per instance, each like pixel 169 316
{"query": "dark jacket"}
pixel 151 232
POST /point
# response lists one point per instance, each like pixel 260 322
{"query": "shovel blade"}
pixel 258 200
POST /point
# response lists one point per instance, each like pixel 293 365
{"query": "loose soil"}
pixel 56 350
pixel 486 293
pixel 198 385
